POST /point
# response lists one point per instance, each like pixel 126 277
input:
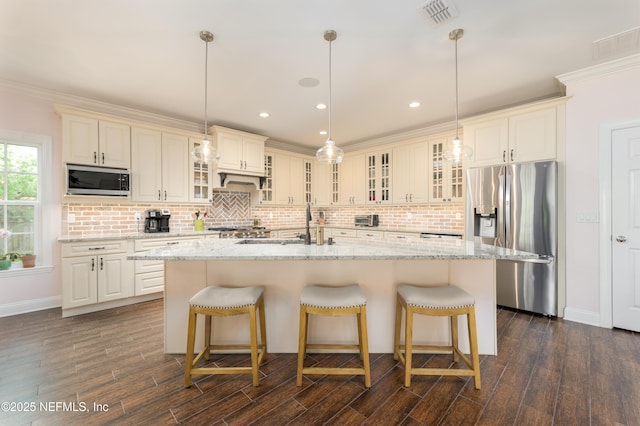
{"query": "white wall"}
pixel 37 289
pixel 600 96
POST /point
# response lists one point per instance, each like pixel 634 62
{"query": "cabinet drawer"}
pixel 151 243
pixel 94 248
pixel 146 266
pixel 348 233
pixel 401 236
pixel 371 235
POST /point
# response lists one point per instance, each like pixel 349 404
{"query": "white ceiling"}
pixel 147 55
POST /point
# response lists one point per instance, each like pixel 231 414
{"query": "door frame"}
pixel 606 244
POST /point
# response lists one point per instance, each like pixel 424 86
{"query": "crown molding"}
pixel 600 70
pixel 87 104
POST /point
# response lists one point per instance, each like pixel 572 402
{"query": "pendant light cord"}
pixel 330 42
pixel 456 62
pixel 206 63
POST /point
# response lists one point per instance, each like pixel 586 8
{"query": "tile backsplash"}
pixel 235 209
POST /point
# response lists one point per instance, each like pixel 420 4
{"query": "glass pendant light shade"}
pixel 330 153
pixel 204 152
pixel 457 152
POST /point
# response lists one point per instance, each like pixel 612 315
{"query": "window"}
pixel 24 159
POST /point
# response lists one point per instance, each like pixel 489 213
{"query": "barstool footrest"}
pixel 220 370
pixel 336 371
pixel 443 371
pixel 332 346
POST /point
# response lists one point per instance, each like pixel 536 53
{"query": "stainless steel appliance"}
pixel 514 206
pixel 157 220
pixel 93 180
pixel 366 220
pixel 249 232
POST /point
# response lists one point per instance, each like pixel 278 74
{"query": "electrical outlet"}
pixel 71 218
pixel 408 215
pixel 138 216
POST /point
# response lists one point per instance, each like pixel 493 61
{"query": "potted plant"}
pixel 14 257
pixel 28 260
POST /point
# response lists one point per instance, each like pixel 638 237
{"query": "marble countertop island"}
pixel 284 267
pixel 342 249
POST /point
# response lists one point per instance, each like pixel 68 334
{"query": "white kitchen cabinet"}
pixel 410 171
pixel 239 152
pixel 159 166
pixel 149 274
pixel 445 180
pixel 326 184
pixel 95 272
pixel 200 176
pixel 353 180
pixel 516 135
pixel 266 194
pixel 90 141
pixel 378 177
pixel 289 179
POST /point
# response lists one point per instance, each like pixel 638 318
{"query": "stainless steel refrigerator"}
pixel 514 206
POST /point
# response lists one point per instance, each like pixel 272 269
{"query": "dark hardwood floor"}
pixel 109 368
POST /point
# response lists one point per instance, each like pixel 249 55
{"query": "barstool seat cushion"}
pixel 444 297
pixel 333 297
pixel 226 297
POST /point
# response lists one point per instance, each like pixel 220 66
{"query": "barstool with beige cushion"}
pixel 226 301
pixel 448 301
pixel 334 301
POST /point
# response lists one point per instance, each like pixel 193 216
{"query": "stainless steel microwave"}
pixel 91 180
pixel 366 220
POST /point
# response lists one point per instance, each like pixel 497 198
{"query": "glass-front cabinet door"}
pixel 199 177
pixel 379 177
pixel 445 179
pixel 266 196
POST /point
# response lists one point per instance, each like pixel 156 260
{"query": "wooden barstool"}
pixel 448 301
pixel 334 301
pixel 225 301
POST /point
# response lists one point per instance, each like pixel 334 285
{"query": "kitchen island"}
pixel 284 267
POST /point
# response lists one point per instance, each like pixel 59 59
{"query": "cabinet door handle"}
pixel 159 195
pixel 101 263
pixel 504 156
pixel 97 248
pixel 411 198
pixel 240 164
pixel 512 155
pixel 245 165
pixel 406 198
pixel 102 157
pixel 165 195
pixel 95 157
pixel 173 243
pixel 401 237
pixel 93 265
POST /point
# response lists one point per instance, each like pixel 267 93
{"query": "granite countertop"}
pixel 343 249
pixel 136 236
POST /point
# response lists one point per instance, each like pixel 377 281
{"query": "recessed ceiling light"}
pixel 321 106
pixel 415 104
pixel 264 114
pixel 308 82
pixel 323 132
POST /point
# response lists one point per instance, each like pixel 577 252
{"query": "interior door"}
pixel 625 213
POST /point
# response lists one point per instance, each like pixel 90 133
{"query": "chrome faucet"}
pixel 307 235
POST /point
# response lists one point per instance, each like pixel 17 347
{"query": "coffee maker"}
pixel 156 220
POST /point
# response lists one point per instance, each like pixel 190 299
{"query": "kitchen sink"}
pixel 270 241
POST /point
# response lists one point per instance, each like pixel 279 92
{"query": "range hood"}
pixel 227 179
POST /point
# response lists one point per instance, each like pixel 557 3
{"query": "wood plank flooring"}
pixel 109 368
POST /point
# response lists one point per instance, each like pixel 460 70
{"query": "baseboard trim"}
pixel 111 304
pixel 27 306
pixel 582 316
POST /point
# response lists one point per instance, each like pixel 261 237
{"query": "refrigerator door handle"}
pixel 508 177
pixel 541 259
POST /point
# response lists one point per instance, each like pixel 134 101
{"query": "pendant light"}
pixel 330 153
pixel 458 152
pixel 205 153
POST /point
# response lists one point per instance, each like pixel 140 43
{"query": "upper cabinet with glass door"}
pixel 378 177
pixel 200 175
pixel 445 180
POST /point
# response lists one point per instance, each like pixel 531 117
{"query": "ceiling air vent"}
pixel 437 12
